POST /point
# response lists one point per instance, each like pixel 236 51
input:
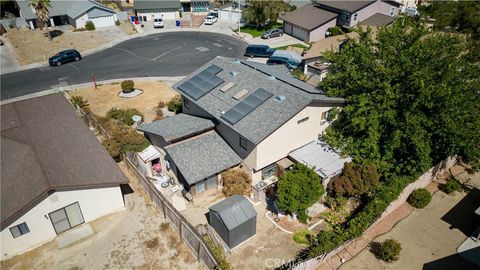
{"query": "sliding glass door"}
pixel 66 218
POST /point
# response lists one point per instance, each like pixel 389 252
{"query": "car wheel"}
pixel 77 58
pixel 268 37
pixel 251 55
pixel 59 63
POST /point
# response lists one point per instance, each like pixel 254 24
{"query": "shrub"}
pixel 89 25
pixel 117 22
pixel 236 181
pixel 390 250
pixel 223 264
pixel 419 198
pixel 81 29
pixel 302 216
pixel 302 237
pixel 298 73
pixel 451 186
pixel 129 139
pixel 298 189
pixel 335 203
pixel 355 180
pixel 113 148
pixel 175 104
pixel 335 217
pixel 161 104
pixel 127 86
pixel 81 103
pixel 124 116
pixel 334 31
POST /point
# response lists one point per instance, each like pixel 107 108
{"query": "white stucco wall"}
pixel 319 32
pixel 166 15
pixel 288 138
pixel 80 21
pixel 94 203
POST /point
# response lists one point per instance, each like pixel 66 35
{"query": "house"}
pixel 55 175
pixel 146 10
pixel 238 112
pixel 312 21
pixel 407 3
pixel 74 13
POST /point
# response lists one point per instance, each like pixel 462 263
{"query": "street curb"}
pixel 72 88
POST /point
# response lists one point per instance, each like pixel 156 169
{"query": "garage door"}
pixel 300 33
pixel 103 21
pixel 166 15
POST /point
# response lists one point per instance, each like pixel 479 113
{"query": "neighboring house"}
pixel 146 10
pixel 407 3
pixel 230 11
pixel 312 21
pixel 238 112
pixel 74 13
pixel 55 175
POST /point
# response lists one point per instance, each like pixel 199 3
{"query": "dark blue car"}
pixel 64 57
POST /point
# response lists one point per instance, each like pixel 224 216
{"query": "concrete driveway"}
pixel 277 42
pixel 7 59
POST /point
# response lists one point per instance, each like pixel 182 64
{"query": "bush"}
pixel 113 148
pixel 117 23
pixel 355 180
pixel 89 25
pixel 334 31
pixel 302 237
pixel 81 29
pixel 129 139
pixel 236 181
pixel 161 104
pixel 175 104
pixel 419 198
pixel 127 86
pixel 124 116
pixel 81 103
pixel 298 73
pixel 451 186
pixel 302 216
pixel 389 250
pixel 335 203
pixel 223 264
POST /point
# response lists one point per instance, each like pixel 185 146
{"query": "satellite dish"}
pixel 136 118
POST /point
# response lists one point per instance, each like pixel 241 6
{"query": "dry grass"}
pixel 33 46
pixel 127 27
pixel 106 97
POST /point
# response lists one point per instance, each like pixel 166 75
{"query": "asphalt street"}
pixel 164 54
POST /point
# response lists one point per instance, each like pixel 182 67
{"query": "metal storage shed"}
pixel 234 219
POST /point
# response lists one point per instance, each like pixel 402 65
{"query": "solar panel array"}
pixel 246 106
pixel 202 83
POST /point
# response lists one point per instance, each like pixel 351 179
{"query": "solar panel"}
pixel 202 83
pixel 246 106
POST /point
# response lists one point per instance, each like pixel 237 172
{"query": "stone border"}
pixel 135 93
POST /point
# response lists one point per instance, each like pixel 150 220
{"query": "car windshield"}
pixel 58 54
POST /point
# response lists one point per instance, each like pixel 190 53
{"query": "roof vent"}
pixel 271 77
pixel 280 99
pixel 226 87
pixel 240 94
pixel 233 74
pixel 237 61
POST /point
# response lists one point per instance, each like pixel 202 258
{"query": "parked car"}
pixel 274 32
pixel 259 51
pixel 283 57
pixel 158 22
pixel 209 20
pixel 64 57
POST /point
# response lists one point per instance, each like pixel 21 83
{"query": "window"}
pixel 212 182
pixel 243 142
pixel 302 120
pixel 200 186
pixel 346 16
pixel 269 171
pixel 392 11
pixel 19 230
pixel 186 103
pixel 66 218
pixel 355 17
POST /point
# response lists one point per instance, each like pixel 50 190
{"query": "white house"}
pixel 55 175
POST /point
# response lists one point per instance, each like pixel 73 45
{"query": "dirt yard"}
pixel 106 97
pixel 33 46
pixel 430 236
pixel 136 238
pixel 127 27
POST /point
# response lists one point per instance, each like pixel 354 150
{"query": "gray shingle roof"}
pixel 177 126
pixel 62 7
pixel 309 17
pixel 270 115
pixel 234 211
pixel 378 19
pixel 46 146
pixel 202 156
pixel 350 6
pixel 156 4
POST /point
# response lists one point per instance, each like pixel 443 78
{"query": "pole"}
pixel 239 16
pixel 93 79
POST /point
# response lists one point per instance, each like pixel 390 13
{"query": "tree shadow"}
pixel 54 33
pixel 452 262
pixel 462 216
pixel 374 248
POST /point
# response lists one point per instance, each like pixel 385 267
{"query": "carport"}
pixel 234 219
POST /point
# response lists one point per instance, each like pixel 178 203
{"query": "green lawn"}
pixel 298 45
pixel 256 32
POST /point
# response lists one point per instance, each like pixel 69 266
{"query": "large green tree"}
pixel 43 14
pixel 298 189
pixel 261 12
pixel 412 99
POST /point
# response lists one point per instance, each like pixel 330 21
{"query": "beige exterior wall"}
pixel 287 138
pixel 319 32
pixel 377 7
pixel 94 203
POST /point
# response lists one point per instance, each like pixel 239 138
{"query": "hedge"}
pixel 451 186
pixel 419 198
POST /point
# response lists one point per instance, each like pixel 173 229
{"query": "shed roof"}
pixel 378 19
pixel 177 126
pixel 268 116
pixel 318 154
pixel 156 4
pixel 350 6
pixel 46 146
pixel 60 7
pixel 234 211
pixel 202 156
pixel 309 17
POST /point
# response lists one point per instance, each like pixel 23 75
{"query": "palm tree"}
pixel 41 8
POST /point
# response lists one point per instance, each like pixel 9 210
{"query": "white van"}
pixel 157 21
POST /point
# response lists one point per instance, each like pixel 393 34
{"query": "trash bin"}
pixel 132 18
pixel 177 23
